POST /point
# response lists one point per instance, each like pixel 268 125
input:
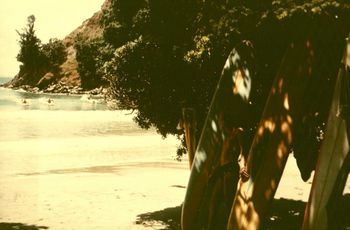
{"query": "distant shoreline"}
pixel 59 89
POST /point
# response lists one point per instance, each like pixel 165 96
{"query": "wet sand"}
pixel 134 195
pixel 104 197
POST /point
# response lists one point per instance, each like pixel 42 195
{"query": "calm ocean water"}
pixel 71 132
pixel 75 164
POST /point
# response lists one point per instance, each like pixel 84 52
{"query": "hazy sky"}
pixel 54 19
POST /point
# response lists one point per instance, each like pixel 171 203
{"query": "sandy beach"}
pixel 83 169
pixel 96 170
pixel 103 197
pixel 98 100
pixel 134 195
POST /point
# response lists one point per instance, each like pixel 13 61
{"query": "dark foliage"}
pixel 169 54
pixel 29 54
pixel 90 56
pixel 37 58
pixel 54 54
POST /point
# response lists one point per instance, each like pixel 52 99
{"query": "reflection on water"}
pixel 72 133
pixel 78 165
pixel 20 125
pixel 64 116
pixel 21 100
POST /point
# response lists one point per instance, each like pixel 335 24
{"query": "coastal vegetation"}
pixel 167 55
pixel 89 57
pixel 159 56
pixel 36 58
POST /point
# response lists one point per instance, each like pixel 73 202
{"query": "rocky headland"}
pixel 67 80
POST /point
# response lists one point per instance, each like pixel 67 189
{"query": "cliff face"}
pixel 67 79
pixel 90 29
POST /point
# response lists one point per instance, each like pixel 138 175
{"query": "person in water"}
pixel 24 101
pixel 49 101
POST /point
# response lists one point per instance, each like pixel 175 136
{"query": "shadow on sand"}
pixel 285 214
pixel 170 217
pixel 20 226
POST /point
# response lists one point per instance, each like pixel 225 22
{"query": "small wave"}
pixel 21 90
pixel 24 102
pixel 88 98
pixel 47 101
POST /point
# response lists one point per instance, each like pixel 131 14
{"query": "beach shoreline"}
pixel 134 195
pixel 98 197
pixel 78 166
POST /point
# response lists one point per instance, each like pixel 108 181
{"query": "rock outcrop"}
pixel 90 29
pixel 67 80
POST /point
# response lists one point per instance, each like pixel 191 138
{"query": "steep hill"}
pixel 90 29
pixel 68 78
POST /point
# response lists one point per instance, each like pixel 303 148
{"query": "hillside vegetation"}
pixel 159 56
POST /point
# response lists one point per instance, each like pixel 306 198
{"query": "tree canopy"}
pixel 37 58
pixel 166 55
pixel 89 53
pixel 30 45
pixel 160 56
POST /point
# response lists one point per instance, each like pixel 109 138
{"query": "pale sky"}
pixel 54 19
